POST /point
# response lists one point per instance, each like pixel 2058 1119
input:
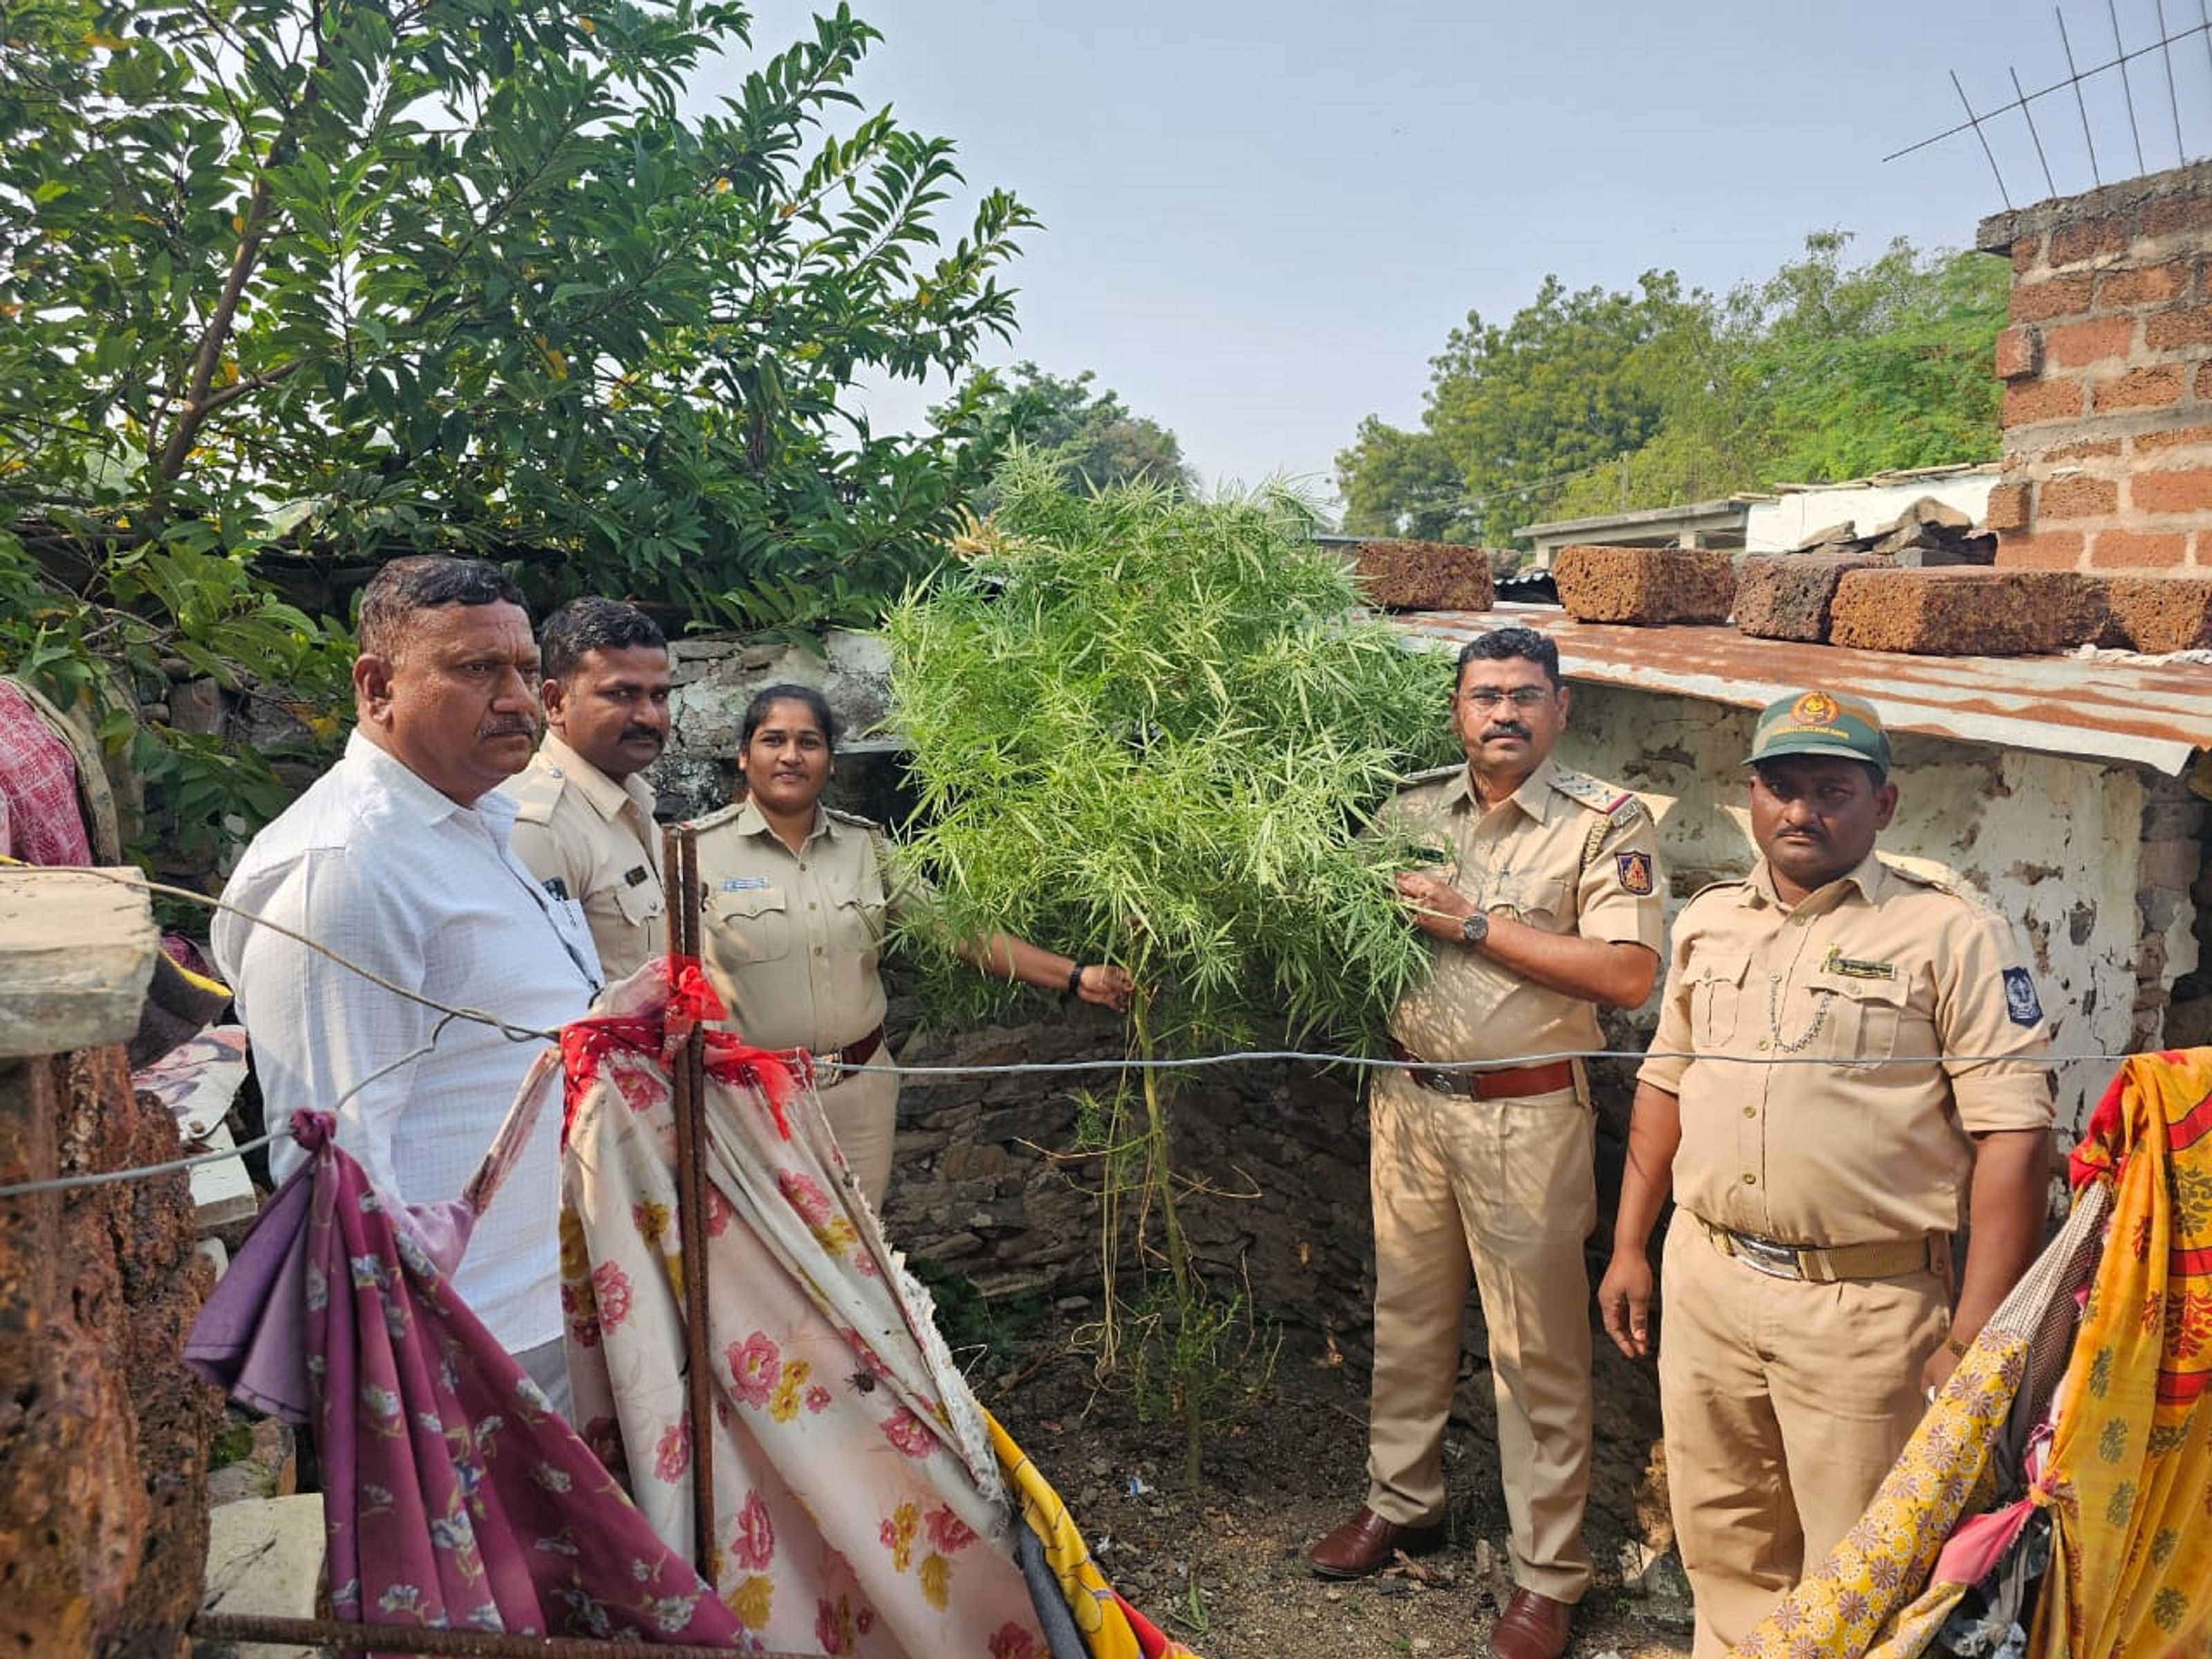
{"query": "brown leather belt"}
pixel 1883 1259
pixel 858 1052
pixel 1507 1082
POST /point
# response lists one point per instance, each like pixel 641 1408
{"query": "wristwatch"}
pixel 1473 929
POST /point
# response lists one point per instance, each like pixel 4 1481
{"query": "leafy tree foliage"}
pixel 292 288
pixel 1592 403
pixel 1090 435
pixel 1145 727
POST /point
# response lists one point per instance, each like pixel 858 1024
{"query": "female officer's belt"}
pixel 1507 1082
pixel 855 1053
pixel 1885 1259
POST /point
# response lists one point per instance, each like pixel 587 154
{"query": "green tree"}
pixel 1145 726
pixel 290 288
pixel 1090 435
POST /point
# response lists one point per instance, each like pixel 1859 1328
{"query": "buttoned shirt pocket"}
pixel 639 903
pixel 753 923
pixel 856 924
pixel 1864 1015
pixel 1549 905
pixel 1716 996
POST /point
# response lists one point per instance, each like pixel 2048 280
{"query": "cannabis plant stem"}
pixel 1159 1176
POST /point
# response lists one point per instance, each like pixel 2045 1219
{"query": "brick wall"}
pixel 2107 372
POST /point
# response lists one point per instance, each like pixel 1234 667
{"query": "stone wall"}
pixel 2107 369
pixel 104 1437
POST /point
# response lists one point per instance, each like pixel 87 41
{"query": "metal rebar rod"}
pixel 418 1639
pixel 2127 90
pixel 2029 116
pixel 2080 107
pixel 2172 100
pixel 1973 121
pixel 689 1081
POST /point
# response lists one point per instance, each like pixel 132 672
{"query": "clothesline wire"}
pixel 515 1033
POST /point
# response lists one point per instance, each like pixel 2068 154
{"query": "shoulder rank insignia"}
pixel 2022 1006
pixel 1634 870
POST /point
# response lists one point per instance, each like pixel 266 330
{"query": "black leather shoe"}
pixel 1367 1543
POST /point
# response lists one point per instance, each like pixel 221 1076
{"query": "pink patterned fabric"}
pixel 453 1495
pixel 40 822
pixel 859 1507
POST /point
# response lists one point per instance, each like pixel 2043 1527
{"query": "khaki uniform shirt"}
pixel 1878 964
pixel 576 825
pixel 1564 853
pixel 792 941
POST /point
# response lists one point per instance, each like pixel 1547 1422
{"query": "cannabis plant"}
pixel 1151 730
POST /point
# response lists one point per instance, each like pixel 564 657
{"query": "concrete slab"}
pixel 77 952
pixel 265 1558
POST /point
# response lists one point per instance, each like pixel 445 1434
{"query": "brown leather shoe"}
pixel 1367 1543
pixel 1531 1626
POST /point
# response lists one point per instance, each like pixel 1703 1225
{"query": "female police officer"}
pixel 796 897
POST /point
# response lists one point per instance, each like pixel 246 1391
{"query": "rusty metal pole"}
pixel 680 859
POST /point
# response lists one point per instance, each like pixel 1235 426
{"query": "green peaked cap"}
pixel 1817 722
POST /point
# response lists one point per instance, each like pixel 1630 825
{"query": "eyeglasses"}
pixel 1521 696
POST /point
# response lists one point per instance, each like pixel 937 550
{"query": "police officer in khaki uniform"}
pixel 796 899
pixel 1807 1267
pixel 1539 889
pixel 583 811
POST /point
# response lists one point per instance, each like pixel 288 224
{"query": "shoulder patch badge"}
pixel 1634 870
pixel 2021 1006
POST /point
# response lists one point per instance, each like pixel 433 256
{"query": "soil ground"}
pixel 1223 1570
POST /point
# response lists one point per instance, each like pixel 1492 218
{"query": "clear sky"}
pixel 1261 220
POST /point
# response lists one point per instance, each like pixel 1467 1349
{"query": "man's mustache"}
pixel 506 728
pixel 653 734
pixel 1509 730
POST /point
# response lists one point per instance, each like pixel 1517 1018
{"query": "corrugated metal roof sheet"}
pixel 2150 713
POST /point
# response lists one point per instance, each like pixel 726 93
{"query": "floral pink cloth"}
pixel 860 1505
pixel 453 1495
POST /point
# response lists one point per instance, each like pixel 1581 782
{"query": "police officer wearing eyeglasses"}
pixel 1538 888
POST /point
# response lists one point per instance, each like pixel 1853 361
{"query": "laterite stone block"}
pixel 1790 596
pixel 1402 575
pixel 2163 613
pixel 1645 584
pixel 1954 612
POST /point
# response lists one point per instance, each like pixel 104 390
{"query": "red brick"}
pixel 2172 438
pixel 2139 388
pixel 2042 400
pixel 2007 508
pixel 2046 549
pixel 2027 251
pixel 2189 326
pixel 2019 353
pixel 2071 244
pixel 2136 549
pixel 2178 212
pixel 1952 612
pixel 2077 345
pixel 2054 296
pixel 2150 285
pixel 1644 583
pixel 2187 489
pixel 2164 613
pixel 2077 498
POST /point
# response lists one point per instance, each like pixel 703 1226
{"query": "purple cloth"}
pixel 453 1495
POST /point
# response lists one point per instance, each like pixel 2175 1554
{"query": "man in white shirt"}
pixel 583 810
pixel 398 858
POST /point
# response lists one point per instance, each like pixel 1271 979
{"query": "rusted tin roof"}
pixel 2150 713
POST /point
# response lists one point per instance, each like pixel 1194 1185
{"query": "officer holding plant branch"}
pixel 1538 889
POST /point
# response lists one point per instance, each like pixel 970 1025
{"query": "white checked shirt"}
pixel 378 866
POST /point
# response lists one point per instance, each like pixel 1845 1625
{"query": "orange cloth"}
pixel 2130 1475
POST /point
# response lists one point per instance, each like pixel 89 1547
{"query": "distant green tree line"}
pixel 1592 402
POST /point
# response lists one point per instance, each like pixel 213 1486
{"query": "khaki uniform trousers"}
pixel 1502 1192
pixel 1785 1404
pixel 862 1112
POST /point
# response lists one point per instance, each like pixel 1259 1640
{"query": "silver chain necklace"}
pixel 1822 996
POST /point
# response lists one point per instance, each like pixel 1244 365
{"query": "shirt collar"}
pixel 1868 877
pixel 607 797
pixel 1534 797
pixel 406 787
pixel 750 823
